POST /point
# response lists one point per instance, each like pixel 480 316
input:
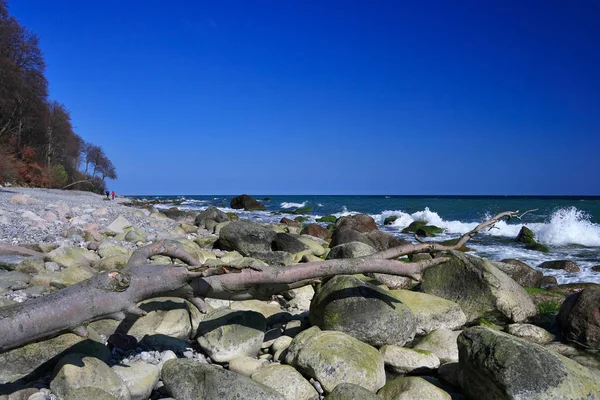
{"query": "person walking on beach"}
pixel 113 194
pixel 107 195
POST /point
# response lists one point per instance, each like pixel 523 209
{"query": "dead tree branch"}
pixel 113 294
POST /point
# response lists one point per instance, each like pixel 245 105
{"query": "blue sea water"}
pixel 569 226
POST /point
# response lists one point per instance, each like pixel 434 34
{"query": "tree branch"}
pixel 113 294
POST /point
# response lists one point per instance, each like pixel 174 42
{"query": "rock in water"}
pixel 566 265
pixel 479 288
pixel 495 365
pixel 189 380
pixel 579 317
pixel 246 202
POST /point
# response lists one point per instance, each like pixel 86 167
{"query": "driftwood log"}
pixel 113 294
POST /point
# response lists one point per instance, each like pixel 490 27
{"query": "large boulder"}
pixel 140 378
pixel 431 312
pixel 579 317
pixel 480 289
pixel 189 380
pixel 246 202
pixel 375 238
pixel 210 214
pixel 442 343
pixel 520 272
pixel 76 371
pixel 37 358
pixel 402 360
pixel 350 250
pixel 290 243
pixel 350 391
pixel 316 230
pixel 69 256
pixel 225 334
pixel 496 365
pixel 364 311
pixel 246 237
pixel 333 357
pixel 359 222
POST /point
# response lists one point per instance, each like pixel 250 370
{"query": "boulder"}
pixel 210 214
pixel 290 222
pixel 37 358
pixel 579 317
pixel 246 202
pixel 442 343
pixel 350 250
pixel 226 334
pixel 527 237
pixel 140 378
pixel 364 311
pixel 566 265
pixel 496 365
pixel 189 380
pixel 431 312
pixel 520 272
pixel 117 261
pixel 287 381
pixel 167 323
pixel 479 288
pixel 76 371
pixel 333 357
pixel 395 282
pixel 288 242
pixel 350 391
pixel 412 388
pixel 11 261
pixel 402 360
pixel 246 237
pixel 316 230
pixel 86 393
pixel 111 247
pixel 358 222
pixel 247 365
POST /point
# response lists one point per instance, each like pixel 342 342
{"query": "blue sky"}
pixel 331 97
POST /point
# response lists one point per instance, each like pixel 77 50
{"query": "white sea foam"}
pixel 345 212
pixel 565 226
pixel 292 205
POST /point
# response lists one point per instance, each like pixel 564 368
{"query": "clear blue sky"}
pixel 331 97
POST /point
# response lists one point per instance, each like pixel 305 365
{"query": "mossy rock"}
pixel 453 242
pixel 537 247
pixel 390 220
pixel 496 365
pixel 232 216
pixel 422 229
pixel 301 219
pixel 302 210
pixel 527 236
pixel 328 219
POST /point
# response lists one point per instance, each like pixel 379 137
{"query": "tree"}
pixel 112 294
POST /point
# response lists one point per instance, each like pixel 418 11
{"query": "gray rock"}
pixel 530 332
pixel 118 225
pixel 579 317
pixel 246 237
pixel 290 243
pixel 226 334
pixel 139 378
pixel 333 357
pixel 10 278
pixel 442 343
pixel 412 388
pixel 287 381
pixel 431 312
pixel 522 273
pixel 246 365
pixel 275 258
pixel 496 365
pixel 37 358
pixel 403 360
pixel 189 380
pixel 350 391
pixel 372 315
pixel 567 265
pixel 480 289
pixel 112 247
pixel 350 250
pixel 76 371
pixel 10 262
pixel 88 393
pixel 210 214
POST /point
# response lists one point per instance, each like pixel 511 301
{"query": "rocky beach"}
pixel 464 328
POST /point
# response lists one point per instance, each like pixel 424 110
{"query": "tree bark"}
pixel 114 293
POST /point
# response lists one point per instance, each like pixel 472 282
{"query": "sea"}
pixel 568 225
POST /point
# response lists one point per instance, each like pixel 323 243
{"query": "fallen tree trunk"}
pixel 113 294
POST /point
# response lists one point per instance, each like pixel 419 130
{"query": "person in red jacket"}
pixel 113 195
